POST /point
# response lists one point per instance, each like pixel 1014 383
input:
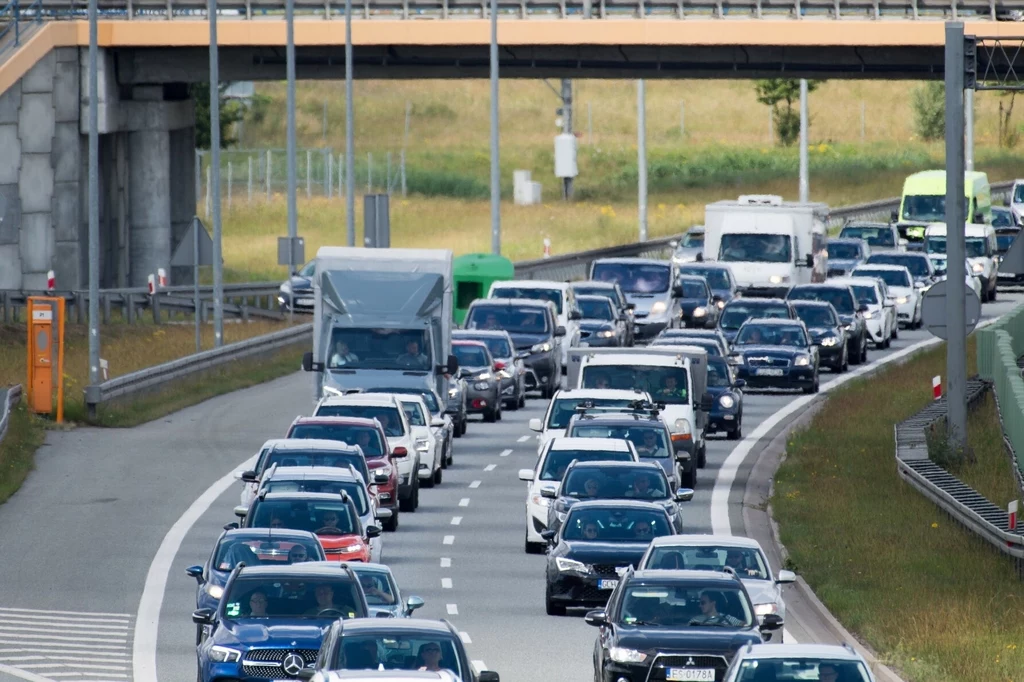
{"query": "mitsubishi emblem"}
pixel 293 664
pixel 690 661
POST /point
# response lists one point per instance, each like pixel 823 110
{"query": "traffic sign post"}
pixel 200 253
pixel 934 311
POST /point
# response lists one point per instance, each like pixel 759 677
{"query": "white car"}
pixel 387 410
pixel 880 316
pixel 427 430
pixel 560 293
pixel 901 285
pixel 981 249
pixel 565 402
pixel 554 459
pixel 715 553
pixel 804 660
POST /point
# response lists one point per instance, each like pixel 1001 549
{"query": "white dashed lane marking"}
pixel 464 502
pixel 446 583
pixel 465 638
pixel 446 562
pixel 453 609
pixel 456 520
pixel 523 439
pixel 490 467
pixel 449 539
pixel 474 484
pixel 506 453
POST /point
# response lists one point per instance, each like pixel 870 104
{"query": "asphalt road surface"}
pixel 96 542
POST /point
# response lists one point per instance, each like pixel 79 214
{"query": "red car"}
pixel 370 437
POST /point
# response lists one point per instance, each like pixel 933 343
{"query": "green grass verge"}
pixel 17 449
pixel 932 599
pixel 991 473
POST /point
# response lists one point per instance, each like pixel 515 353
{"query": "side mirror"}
pixel 631 306
pixel 413 603
pixel 575 315
pixel 249 477
pixel 810 260
pixel 786 577
pixel 559 331
pixel 684 494
pixel 597 617
pixel 453 364
pixel 437 423
pixel 230 526
pixel 700 257
pixel 383 514
pixel 307 361
pixel 862 309
pixel 772 621
pixel 526 475
pixel 203 616
pixel 373 531
pixel 488 676
pixel 536 425
pixel 677 291
pixel 739 383
pixel 380 479
pixel 549 536
pixel 707 402
pixel 978 219
pixel 549 493
pixel 241 511
pixel 522 355
pixel 195 572
pixel 894 216
pixel 399 452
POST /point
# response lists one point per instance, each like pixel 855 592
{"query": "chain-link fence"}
pixel 254 175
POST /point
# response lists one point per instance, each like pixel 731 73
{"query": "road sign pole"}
pixel 805 185
pixel 195 277
pixel 641 153
pixel 350 159
pixel 956 346
pixel 293 217
pixel 495 149
pixel 218 266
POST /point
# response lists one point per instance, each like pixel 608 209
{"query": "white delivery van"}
pixel 980 249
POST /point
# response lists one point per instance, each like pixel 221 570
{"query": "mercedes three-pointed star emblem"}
pixel 293 664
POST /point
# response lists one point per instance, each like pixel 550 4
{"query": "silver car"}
pixel 382 593
pixel 691 247
pixel 721 552
pixel 826 662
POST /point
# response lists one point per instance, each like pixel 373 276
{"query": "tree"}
pixel 929 103
pixel 776 92
pixel 231 112
pixel 1008 136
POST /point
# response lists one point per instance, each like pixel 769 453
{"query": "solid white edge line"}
pixel 23 674
pixel 147 623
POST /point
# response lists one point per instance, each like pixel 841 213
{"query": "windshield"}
pixel 976 247
pixel 597 310
pixel 615 525
pixel 843 251
pixel 917 264
pixel 322 458
pixel 717 278
pixel 499 346
pixel 865 295
pixel 840 298
pixel 558 460
pixel 266 552
pixel 694 289
pixel 376 586
pixel 553 295
pixel 564 408
pixel 802 669
pixel 649 441
pixel 379 349
pixel 892 278
pixel 679 606
pixel 925 208
pixel 414 413
pixel 292 597
pixel 1005 239
pixel 718 373
pixel 366 437
pixel 1001 217
pixel 608 483
pixel 693 239
pixel 514 319
pixel 611 294
pixel 771 335
pixel 815 316
pixel 665 384
pixel 308 270
pixel 355 489
pixel 387 416
pixel 323 517
pixel 734 316
pixel 634 278
pixel 874 236
pixel 746 561
pixel 389 651
pixel 760 248
pixel 470 356
pixel 1018 193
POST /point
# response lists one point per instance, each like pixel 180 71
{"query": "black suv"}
pixel 851 314
pixel 739 310
pixel 674 625
pixel 406 644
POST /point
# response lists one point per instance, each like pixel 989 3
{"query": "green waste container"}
pixel 473 275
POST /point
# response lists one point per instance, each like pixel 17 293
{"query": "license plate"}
pixel 608 585
pixel 304 301
pixel 690 674
pixel 769 372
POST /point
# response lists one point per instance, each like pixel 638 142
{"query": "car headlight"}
pixel 700 312
pixel 386 470
pixel 829 341
pixel 540 500
pixel 720 304
pixel 486 376
pixel 503 374
pixel 658 308
pixel 541 347
pixel 726 401
pixel 352 548
pixel 561 515
pixel 765 609
pixel 572 565
pixel 978 268
pixel 620 655
pixel 802 361
pixel 452 392
pixel 902 299
pixel 682 426
pixel 847 327
pixel 215 591
pixel 606 334
pixel 869 315
pixel 422 444
pixel 778 279
pixel 223 654
pixel 282 300
pixel 736 359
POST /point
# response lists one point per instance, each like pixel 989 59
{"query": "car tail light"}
pixel 499 365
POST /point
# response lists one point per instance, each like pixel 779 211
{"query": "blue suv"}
pixel 271 620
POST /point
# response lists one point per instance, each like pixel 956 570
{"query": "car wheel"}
pixel 735 434
pixel 497 410
pixel 864 350
pixel 408 504
pixel 391 525
pixel 416 496
pixel 702 456
pixel 688 480
pixel 844 366
pixel 551 607
pixel 427 482
pixel 533 547
pixel 457 428
pixel 813 388
pixel 491 415
pixel 438 475
pixel 896 331
pixel 992 294
pixel 522 398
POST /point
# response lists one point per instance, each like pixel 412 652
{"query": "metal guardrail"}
pixel 8 399
pixel 160 375
pixel 591 9
pixel 963 504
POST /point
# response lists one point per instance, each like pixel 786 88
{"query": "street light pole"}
pixel 218 263
pixel 641 153
pixel 94 203
pixel 350 158
pixel 495 151
pixel 291 143
pixel 805 185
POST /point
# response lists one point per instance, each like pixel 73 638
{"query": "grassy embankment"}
pixel 725 151
pixel 935 601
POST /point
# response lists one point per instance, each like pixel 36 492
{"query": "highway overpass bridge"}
pixel 152 50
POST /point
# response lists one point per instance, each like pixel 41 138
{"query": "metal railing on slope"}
pixel 963 504
pixel 8 399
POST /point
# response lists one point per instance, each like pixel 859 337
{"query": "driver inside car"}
pixel 324 601
pixel 330 521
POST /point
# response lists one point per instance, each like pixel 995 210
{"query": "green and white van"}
pixel 924 203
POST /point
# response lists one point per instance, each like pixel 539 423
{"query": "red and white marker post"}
pixel 161 278
pixel 51 281
pixel 547 248
pixel 1011 510
pixel 936 387
pixel 151 281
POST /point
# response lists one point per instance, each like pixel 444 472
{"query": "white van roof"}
pixel 970 230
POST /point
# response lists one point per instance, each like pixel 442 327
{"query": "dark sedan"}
pixel 507 363
pixel 726 414
pixel 719 278
pixel 596 541
pixel 297 290
pixel 827 332
pixel 698 306
pixel 613 292
pixel 739 310
pixel 601 325
pixel 850 312
pixel 482 383
pixel 776 354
